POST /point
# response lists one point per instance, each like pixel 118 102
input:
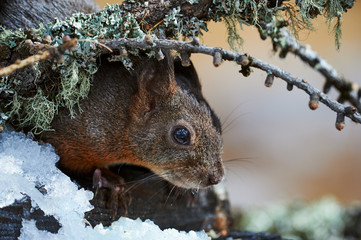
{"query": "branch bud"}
pixel 269 80
pixel 275 46
pixel 283 52
pixel 243 60
pixel 186 62
pixel 123 53
pixel 289 86
pixel 327 86
pixel 217 59
pixel 159 55
pixel 340 121
pixel 262 34
pixel 148 39
pixel 313 103
pixel 66 38
pixel 28 42
pixel 195 41
pixel 246 71
pixel 47 39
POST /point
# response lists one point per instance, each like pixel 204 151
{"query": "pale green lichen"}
pixel 332 10
pixel 306 10
pixel 234 39
pixel 74 74
pixel 37 111
pixel 71 80
pixel 11 38
pixel 239 13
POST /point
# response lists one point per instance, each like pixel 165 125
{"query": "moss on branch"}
pixel 69 80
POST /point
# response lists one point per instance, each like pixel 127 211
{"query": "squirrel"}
pixel 153 116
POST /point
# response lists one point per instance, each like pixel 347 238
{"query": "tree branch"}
pixel 349 91
pixel 240 58
pixel 173 19
pixel 50 52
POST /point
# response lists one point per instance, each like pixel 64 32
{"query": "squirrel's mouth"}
pixel 191 178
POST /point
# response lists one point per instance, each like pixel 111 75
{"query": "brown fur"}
pixel 30 13
pixel 128 118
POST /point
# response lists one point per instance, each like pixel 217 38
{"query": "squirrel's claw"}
pixel 104 178
pixel 97 181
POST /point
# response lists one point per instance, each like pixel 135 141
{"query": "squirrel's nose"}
pixel 214 179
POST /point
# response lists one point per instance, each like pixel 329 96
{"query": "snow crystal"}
pixel 27 165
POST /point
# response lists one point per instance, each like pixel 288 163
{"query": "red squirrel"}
pixel 153 116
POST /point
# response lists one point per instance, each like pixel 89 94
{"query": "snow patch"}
pixel 25 166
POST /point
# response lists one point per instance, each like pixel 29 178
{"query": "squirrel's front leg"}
pixel 105 178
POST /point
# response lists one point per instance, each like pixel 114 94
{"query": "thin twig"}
pixel 49 53
pixel 156 25
pixel 348 90
pixel 233 56
pixel 5 71
pixel 146 14
pixel 95 42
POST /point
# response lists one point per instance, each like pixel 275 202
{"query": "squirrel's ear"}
pixel 156 82
pixel 156 79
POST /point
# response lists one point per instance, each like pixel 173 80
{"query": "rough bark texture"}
pixel 167 207
pixel 158 9
pixel 11 218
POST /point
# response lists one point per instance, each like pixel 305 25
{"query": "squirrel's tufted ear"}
pixel 156 78
pixel 156 82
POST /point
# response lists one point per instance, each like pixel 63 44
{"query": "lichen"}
pixel 74 73
pixel 11 38
pixel 71 80
pixel 36 111
pixel 332 10
pixel 239 13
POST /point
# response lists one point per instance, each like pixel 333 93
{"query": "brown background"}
pixel 294 152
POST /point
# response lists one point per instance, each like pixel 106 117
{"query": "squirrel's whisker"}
pixel 170 192
pixel 224 122
pixel 157 193
pixel 232 123
pixel 139 182
pixel 240 159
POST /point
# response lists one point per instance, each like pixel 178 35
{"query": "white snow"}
pixel 24 164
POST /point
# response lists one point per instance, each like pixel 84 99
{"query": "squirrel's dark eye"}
pixel 182 135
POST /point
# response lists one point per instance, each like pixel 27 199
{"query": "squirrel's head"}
pixel 172 129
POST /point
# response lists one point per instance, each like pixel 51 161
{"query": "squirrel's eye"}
pixel 182 135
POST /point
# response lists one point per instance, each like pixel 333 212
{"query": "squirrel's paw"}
pixel 104 178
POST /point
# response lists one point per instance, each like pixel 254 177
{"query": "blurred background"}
pixel 289 152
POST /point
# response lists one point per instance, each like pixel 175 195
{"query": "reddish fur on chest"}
pixel 80 155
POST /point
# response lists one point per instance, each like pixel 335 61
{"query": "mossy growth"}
pixel 70 80
pixel 300 15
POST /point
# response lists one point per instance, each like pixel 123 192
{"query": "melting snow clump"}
pixel 26 165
